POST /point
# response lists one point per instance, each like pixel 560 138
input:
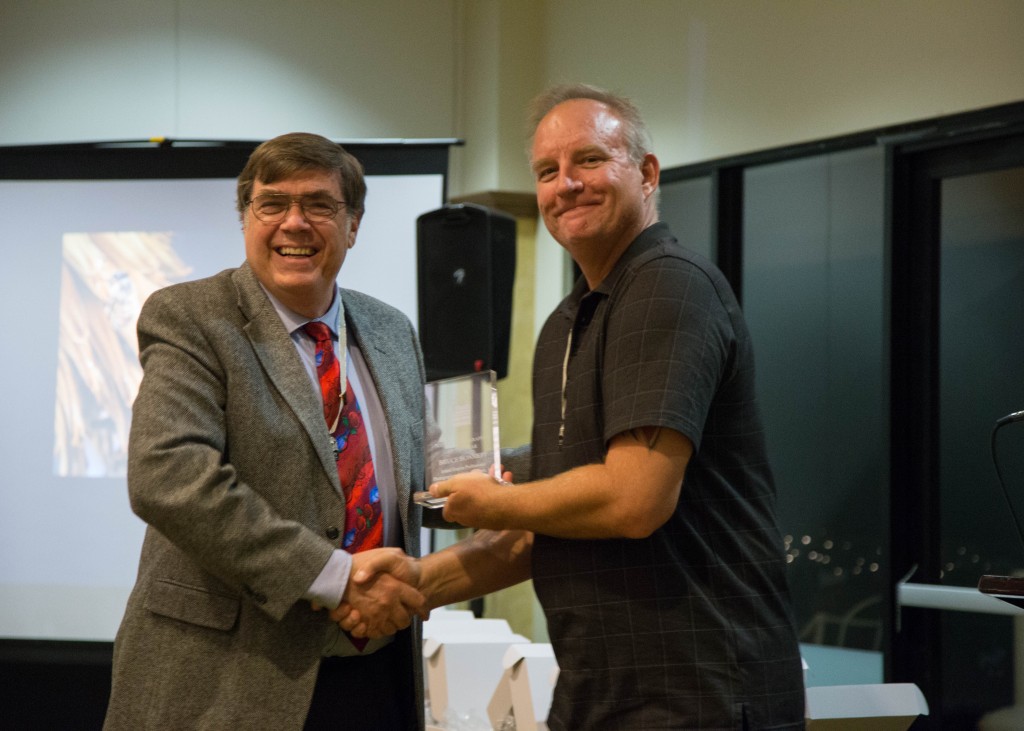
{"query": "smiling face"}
pixel 593 197
pixel 299 261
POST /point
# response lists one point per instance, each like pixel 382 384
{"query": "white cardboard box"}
pixel 463 669
pixel 442 614
pixel 527 682
pixel 460 626
pixel 874 707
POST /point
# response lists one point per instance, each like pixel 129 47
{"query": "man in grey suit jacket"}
pixel 232 467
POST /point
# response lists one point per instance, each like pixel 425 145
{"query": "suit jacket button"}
pixel 333 533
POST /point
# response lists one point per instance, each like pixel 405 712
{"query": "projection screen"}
pixel 92 230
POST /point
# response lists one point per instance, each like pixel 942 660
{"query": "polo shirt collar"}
pixel 647 240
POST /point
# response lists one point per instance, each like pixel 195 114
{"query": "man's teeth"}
pixel 295 251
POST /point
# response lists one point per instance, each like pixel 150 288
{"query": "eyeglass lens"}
pixel 273 207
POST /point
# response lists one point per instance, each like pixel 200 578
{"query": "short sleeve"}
pixel 667 348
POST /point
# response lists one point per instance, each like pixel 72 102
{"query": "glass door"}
pixel 958 365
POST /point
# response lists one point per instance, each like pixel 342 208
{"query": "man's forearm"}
pixel 478 565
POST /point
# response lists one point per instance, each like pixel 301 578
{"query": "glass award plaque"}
pixel 464 411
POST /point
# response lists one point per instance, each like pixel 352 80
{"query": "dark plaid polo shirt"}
pixel 691 627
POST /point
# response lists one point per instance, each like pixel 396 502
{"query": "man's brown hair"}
pixel 296 152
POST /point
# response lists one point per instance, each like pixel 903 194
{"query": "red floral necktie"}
pixel 364 528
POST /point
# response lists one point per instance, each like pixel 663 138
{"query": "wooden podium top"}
pixel 1008 588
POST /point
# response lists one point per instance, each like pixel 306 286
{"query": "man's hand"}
pixel 472 498
pixel 382 595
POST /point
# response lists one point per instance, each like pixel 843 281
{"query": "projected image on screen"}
pixel 105 278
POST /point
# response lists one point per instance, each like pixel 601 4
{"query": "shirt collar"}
pixel 646 240
pixel 293 321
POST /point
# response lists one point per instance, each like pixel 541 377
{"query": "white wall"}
pixel 82 70
pixel 713 77
pixel 721 77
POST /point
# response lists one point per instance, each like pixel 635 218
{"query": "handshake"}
pixel 387 588
pixel 382 596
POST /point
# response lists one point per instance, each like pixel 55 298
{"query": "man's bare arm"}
pixel 480 564
pixel 631 494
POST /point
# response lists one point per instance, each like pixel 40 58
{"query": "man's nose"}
pixel 569 182
pixel 295 217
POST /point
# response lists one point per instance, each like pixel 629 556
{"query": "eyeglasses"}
pixel 273 207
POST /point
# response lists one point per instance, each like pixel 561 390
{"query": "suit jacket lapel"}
pixel 276 352
pixel 381 351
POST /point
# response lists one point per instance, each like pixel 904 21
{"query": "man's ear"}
pixel 352 225
pixel 650 169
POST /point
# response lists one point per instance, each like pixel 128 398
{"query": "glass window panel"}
pixel 813 284
pixel 685 206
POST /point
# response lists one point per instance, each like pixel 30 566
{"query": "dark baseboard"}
pixel 54 685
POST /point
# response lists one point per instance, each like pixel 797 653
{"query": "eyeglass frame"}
pixel 299 199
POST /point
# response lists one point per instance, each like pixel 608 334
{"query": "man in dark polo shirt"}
pixel 650 502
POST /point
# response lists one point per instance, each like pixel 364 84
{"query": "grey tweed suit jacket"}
pixel 231 468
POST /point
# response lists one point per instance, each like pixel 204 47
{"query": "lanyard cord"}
pixel 342 346
pixel 565 379
pixel 341 355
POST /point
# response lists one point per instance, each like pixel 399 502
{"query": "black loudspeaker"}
pixel 466 256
